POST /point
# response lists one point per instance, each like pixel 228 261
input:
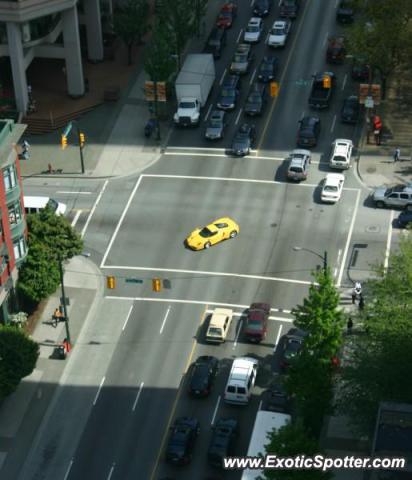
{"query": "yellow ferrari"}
pixel 215 232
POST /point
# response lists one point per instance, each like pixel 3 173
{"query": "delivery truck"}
pixel 193 86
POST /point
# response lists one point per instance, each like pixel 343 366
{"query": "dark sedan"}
pixel 244 140
pixel 225 432
pixel 276 399
pixel 308 133
pixel 289 8
pixel 261 8
pixel 256 100
pixel 256 325
pixel 267 68
pixel 182 439
pixel 292 345
pixel 229 94
pixel 203 374
pixel 216 125
pixel 404 219
pixel 350 110
pixel 345 12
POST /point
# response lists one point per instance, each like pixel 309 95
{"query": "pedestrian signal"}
pixel 327 81
pixel 63 142
pixel 156 284
pixel 111 282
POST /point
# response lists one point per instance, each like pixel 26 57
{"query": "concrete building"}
pixel 13 228
pixel 31 29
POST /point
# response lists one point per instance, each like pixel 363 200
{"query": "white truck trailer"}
pixel 193 86
pixel 265 423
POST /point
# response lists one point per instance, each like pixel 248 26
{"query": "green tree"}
pixel 130 22
pixel 290 441
pixel 18 357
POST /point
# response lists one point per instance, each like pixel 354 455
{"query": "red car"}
pixel 256 325
pixel 227 15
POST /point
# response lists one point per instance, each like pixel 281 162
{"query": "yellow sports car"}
pixel 215 232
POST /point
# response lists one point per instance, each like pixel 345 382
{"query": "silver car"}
pixel 399 196
pixel 216 125
pixel 299 165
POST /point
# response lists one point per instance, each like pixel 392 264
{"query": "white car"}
pixel 279 33
pixel 332 187
pixel 341 154
pixel 253 30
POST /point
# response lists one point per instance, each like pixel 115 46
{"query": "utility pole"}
pixel 325 261
pixel 64 301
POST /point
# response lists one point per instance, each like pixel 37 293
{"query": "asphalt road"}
pixel 137 232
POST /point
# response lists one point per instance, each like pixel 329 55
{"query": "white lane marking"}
pixel 94 208
pixel 344 81
pixel 389 240
pixel 280 1
pixel 68 470
pixel 278 337
pixel 127 318
pixel 252 77
pixel 260 405
pixel 333 124
pixel 325 39
pixel 111 472
pixel 238 116
pixel 335 272
pixel 222 77
pixel 208 112
pixel 348 240
pixel 98 391
pixel 73 193
pixel 252 2
pixel 197 154
pixel 196 148
pixel 215 410
pixel 339 254
pixel 137 396
pixel 237 334
pixel 240 34
pixel 76 218
pixel 337 3
pixel 211 273
pixel 116 231
pixel 303 115
pixel 239 314
pixel 164 320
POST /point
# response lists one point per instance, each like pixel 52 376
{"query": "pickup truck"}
pixel 322 89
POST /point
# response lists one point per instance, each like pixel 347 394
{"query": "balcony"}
pixel 26 10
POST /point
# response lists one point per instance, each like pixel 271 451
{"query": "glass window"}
pixel 9 177
pixel 15 213
pixel 20 248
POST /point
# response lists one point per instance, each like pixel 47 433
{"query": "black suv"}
pixel 256 100
pixel 345 13
pixel 221 444
pixel 308 133
pixel 350 110
pixel 182 440
pixel 229 93
pixel 261 8
pixel 203 374
pixel 289 8
pixel 267 68
pixel 216 42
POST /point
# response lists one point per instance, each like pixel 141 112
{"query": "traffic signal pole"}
pixel 80 139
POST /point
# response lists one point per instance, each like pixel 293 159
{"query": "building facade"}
pixel 13 227
pixel 50 29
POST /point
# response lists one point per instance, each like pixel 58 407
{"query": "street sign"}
pixel 369 91
pixel 161 91
pixel 369 102
pixel 376 93
pixel 155 89
pixel 133 280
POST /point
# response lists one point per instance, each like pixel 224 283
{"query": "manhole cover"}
pixel 373 229
pixel 371 169
pixel 273 225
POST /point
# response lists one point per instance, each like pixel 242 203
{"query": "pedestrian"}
pixel 397 155
pixel 56 317
pixel 353 296
pixel 349 326
pixel 361 302
pixel 377 134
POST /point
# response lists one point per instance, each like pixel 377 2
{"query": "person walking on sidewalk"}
pixel 397 154
pixel 361 302
pixel 349 326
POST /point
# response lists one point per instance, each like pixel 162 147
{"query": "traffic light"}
pixel 82 139
pixel 327 81
pixel 64 142
pixel 274 89
pixel 111 282
pixel 156 284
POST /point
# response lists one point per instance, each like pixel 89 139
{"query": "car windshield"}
pixel 266 67
pixel 226 14
pixel 187 105
pixel 214 43
pixel 206 233
pixel 215 331
pixel 289 3
pixel 215 123
pixel 330 188
pixel 254 324
pixel 252 29
pixel 241 137
pixel 228 92
pixel 240 58
pixel 339 158
pixel 296 169
pixel 254 98
pixel 278 31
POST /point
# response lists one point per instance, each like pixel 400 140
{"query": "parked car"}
pixel 308 133
pixel 332 187
pixel 182 440
pixel 261 8
pixel 256 324
pixel 203 374
pixel 289 8
pixel 404 219
pixel 242 59
pixel 216 42
pixel 291 346
pixel 276 399
pixel 279 33
pixel 336 51
pixel 216 125
pixel 256 100
pixel 398 196
pixel 244 140
pixel 227 15
pixel 299 163
pixel 350 110
pixel 345 12
pixel 253 30
pixel 267 68
pixel 222 442
pixel 229 93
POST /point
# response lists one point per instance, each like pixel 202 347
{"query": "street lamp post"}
pixel 64 301
pixel 323 257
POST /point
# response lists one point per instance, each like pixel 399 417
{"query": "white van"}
pixel 219 325
pixel 35 204
pixel 241 380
